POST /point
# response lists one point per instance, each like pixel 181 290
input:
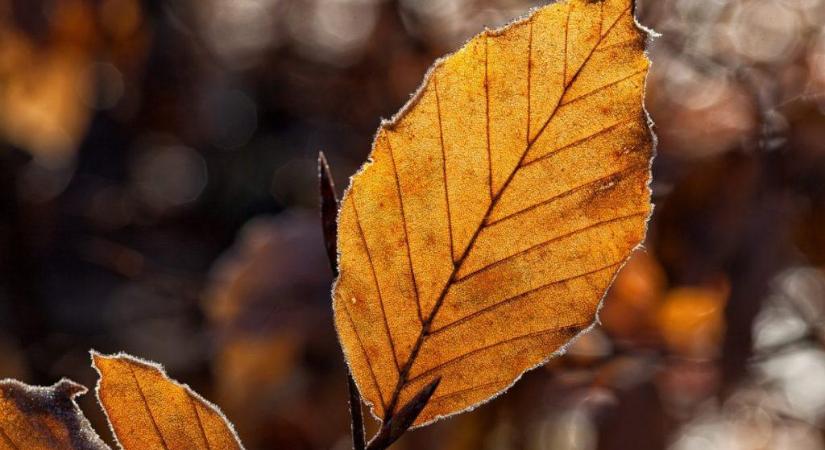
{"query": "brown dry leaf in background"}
pixel 147 410
pixel 36 418
pixel 496 209
pixel 271 325
pixel 45 89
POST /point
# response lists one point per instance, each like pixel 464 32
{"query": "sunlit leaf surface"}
pixel 496 209
pixel 147 410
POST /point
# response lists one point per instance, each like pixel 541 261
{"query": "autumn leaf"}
pixel 36 418
pixel 496 208
pixel 147 410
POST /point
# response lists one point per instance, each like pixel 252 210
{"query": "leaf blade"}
pixel 148 410
pixel 520 181
pixel 44 417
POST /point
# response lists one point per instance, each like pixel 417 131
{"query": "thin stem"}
pixel 357 419
pixel 329 221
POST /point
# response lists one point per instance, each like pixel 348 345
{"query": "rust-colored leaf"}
pixel 35 418
pixel 496 209
pixel 147 410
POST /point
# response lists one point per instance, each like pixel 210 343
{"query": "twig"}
pixel 329 221
pixel 357 425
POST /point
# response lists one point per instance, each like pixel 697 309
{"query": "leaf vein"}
pixel 487 113
pixel 377 285
pixel 566 193
pixel 406 231
pixel 148 409
pixel 601 88
pixel 469 389
pixel 463 356
pixel 547 242
pixel 579 141
pixel 518 297
pixel 444 166
pixel 566 44
pixel 7 439
pixel 616 44
pixel 529 78
pixel 366 355
pixel 200 422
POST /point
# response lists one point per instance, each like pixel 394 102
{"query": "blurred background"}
pixel 158 196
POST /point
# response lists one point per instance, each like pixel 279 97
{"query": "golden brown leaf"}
pixel 496 209
pixel 147 410
pixel 35 418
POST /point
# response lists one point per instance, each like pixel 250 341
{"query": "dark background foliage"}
pixel 158 196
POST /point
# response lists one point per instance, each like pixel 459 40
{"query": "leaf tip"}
pixel 69 389
pixel 95 356
pixel 323 164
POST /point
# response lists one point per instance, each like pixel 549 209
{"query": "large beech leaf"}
pixel 40 418
pixel 496 209
pixel 147 410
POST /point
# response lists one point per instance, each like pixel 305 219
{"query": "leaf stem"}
pixel 395 427
pixel 357 419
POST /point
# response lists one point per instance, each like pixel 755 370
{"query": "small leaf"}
pixel 44 418
pixel 147 410
pixel 496 209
